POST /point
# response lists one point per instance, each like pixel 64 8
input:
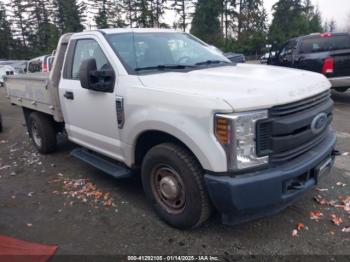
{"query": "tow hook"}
pixel 336 153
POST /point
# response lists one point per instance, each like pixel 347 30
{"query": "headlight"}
pixel 237 134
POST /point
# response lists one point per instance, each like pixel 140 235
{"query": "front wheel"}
pixel 341 89
pixel 43 133
pixel 173 182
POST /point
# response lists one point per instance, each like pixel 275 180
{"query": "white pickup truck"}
pixel 203 132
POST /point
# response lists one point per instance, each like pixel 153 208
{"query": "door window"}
pixel 86 49
pixel 288 48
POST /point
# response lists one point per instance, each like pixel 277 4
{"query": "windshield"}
pixel 161 51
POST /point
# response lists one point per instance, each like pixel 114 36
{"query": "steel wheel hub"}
pixel 168 188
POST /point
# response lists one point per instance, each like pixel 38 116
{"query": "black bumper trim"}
pixel 260 193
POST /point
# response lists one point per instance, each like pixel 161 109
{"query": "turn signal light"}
pixel 222 130
pixel 328 66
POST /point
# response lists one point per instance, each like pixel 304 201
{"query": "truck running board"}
pixel 111 168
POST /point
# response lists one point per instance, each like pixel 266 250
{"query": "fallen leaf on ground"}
pixel 5 167
pixel 346 230
pixel 345 154
pixel 340 184
pixel 29 225
pixel 321 189
pixel 85 191
pixel 294 233
pixel 319 199
pixel 315 215
pixel 336 220
pixel 300 226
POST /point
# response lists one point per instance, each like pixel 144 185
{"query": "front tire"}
pixel 173 182
pixel 341 89
pixel 42 132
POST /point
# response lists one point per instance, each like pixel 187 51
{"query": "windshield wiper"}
pixel 210 62
pixel 163 67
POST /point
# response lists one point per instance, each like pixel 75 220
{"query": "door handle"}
pixel 69 95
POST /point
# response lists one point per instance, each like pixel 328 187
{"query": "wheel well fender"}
pixel 148 139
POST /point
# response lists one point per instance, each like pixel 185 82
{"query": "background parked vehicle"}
pixel 235 58
pixel 20 66
pixel 39 64
pixel 265 57
pixel 50 61
pixel 6 70
pixel 327 53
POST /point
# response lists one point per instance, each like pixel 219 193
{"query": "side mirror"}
pixel 98 80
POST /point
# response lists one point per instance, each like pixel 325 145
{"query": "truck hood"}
pixel 244 86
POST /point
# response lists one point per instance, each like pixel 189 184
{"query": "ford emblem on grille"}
pixel 319 123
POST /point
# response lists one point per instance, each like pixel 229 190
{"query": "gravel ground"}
pixel 39 203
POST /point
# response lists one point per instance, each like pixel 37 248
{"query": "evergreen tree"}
pixel 332 26
pixel 228 16
pixel 205 23
pixel 157 9
pixel 143 15
pixel 43 36
pixel 130 10
pixel 325 27
pixel 253 27
pixel 108 13
pixel 6 40
pixel 316 21
pixel 293 18
pixel 101 17
pixel 20 20
pixel 181 7
pixel 116 14
pixel 69 15
pixel 313 16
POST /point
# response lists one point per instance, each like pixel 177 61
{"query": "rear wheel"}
pixel 173 182
pixel 43 133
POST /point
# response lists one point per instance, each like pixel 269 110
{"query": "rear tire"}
pixel 173 182
pixel 42 132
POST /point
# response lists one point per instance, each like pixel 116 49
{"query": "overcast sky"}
pixel 336 9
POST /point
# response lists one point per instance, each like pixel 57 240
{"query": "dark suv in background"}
pixel 327 53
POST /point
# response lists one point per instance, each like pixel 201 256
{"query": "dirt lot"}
pixel 38 203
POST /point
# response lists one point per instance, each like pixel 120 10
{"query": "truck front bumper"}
pixel 340 81
pixel 253 195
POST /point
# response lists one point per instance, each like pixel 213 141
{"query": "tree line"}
pixel 30 28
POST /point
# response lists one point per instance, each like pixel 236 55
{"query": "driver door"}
pixel 90 116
